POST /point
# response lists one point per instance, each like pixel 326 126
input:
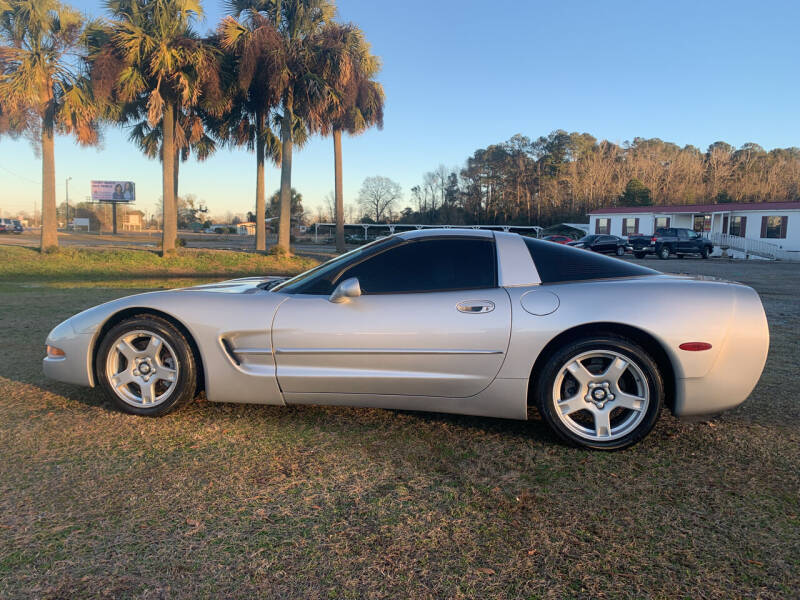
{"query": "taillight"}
pixel 653 239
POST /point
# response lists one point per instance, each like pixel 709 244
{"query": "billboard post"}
pixel 113 193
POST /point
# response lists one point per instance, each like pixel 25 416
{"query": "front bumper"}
pixel 76 364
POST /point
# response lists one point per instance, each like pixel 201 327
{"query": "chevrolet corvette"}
pixel 446 320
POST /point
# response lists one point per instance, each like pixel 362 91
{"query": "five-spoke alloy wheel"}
pixel 603 392
pixel 146 365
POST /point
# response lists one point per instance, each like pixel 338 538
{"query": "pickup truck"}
pixel 671 240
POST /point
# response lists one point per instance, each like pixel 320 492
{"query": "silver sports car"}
pixel 460 321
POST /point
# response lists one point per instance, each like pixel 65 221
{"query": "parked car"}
pixel 605 244
pixel 558 239
pixel 422 320
pixel 671 240
pixel 10 226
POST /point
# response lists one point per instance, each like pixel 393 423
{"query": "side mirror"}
pixel 349 288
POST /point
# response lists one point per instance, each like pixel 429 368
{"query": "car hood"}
pixel 175 302
pixel 243 285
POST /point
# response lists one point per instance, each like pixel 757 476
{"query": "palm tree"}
pixel 303 94
pixel 253 52
pixel 191 136
pixel 150 56
pixel 360 99
pixel 41 90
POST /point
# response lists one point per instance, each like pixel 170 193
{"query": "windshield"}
pixel 330 268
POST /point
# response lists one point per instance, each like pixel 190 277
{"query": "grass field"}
pixel 90 264
pixel 242 501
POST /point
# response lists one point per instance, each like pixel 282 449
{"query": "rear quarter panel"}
pixel 672 310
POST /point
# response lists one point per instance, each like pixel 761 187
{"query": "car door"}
pixel 684 244
pixel 605 243
pixel 694 242
pixel 431 321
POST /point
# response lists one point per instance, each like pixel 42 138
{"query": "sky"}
pixel 460 75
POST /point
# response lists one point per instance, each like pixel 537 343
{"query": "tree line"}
pixel 562 176
pixel 272 74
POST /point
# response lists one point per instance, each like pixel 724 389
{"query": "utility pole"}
pixel 66 218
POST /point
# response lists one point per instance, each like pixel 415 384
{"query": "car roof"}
pixel 445 232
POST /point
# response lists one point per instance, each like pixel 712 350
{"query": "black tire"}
pixel 545 380
pixel 185 382
pixel 704 253
pixel 639 254
pixel 620 251
pixel 663 253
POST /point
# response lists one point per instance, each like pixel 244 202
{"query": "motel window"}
pixel 662 222
pixel 702 223
pixel 630 226
pixel 738 226
pixel 774 227
pixel 602 226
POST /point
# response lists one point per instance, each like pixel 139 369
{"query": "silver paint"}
pixel 396 350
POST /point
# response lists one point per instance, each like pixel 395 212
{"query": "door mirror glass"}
pixel 349 288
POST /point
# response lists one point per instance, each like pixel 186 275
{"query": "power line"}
pixel 20 176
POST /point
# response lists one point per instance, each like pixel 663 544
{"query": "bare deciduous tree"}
pixel 378 195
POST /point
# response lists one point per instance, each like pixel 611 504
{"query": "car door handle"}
pixel 475 307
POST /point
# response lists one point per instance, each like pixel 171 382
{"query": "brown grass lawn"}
pixel 232 501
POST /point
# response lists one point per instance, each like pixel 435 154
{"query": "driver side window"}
pixel 428 266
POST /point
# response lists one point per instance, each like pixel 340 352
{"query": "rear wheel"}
pixel 663 254
pixel 602 392
pixel 146 366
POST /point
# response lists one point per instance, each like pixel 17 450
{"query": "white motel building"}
pixel 763 230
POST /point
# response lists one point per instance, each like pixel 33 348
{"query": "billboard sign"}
pixel 113 191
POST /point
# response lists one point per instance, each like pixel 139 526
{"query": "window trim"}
pixel 378 249
pixel 626 228
pixel 606 227
pixel 782 227
pixel 657 226
pixel 404 242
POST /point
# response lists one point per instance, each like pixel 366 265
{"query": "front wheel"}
pixel 705 252
pixel 603 393
pixel 663 254
pixel 620 251
pixel 146 366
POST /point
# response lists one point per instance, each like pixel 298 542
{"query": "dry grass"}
pixel 254 501
pixel 19 263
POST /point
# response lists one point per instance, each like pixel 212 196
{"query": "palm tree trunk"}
pixel 176 174
pixel 261 207
pixel 176 177
pixel 285 226
pixel 337 167
pixel 49 219
pixel 170 229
